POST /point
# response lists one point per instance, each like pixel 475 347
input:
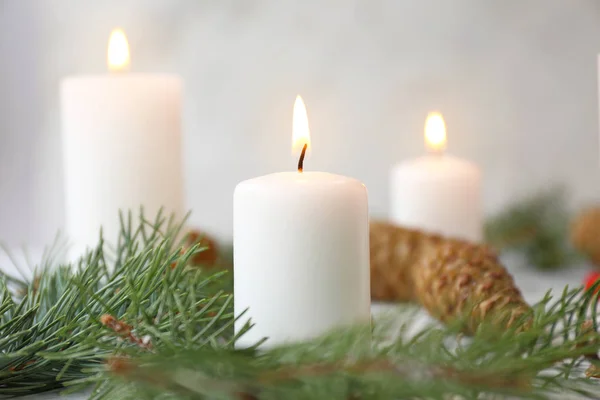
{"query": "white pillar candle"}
pixel 301 252
pixel 437 192
pixel 121 147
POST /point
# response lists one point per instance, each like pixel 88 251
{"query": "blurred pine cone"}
pixel 394 251
pixel 206 257
pixel 585 233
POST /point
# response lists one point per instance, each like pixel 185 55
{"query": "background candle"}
pixel 437 192
pixel 301 252
pixel 122 147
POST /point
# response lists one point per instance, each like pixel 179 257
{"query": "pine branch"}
pixel 549 356
pixel 52 329
pixel 537 228
pixel 138 322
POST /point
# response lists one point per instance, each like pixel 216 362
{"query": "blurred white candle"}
pixel 301 251
pixel 437 192
pixel 121 146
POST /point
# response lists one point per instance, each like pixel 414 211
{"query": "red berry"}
pixel 591 278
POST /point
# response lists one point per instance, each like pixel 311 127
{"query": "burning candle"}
pixel 437 192
pixel 121 146
pixel 301 250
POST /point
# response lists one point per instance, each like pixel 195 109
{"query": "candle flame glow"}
pixel 118 51
pixel 300 129
pixel 435 132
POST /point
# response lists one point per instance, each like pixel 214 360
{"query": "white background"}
pixel 516 81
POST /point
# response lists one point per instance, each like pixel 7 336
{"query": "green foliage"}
pixel 140 323
pixel 547 358
pixel 51 334
pixel 537 228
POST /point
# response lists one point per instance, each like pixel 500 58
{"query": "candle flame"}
pixel 118 51
pixel 300 129
pixel 435 132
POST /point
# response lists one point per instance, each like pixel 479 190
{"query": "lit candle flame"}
pixel 300 129
pixel 435 132
pixel 118 51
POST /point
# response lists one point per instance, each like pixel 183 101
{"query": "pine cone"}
pixel 451 278
pixel 585 233
pixel 394 251
pixel 464 280
pixel 206 257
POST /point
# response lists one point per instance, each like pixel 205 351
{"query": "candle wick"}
pixel 301 160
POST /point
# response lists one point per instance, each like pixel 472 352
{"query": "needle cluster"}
pixel 125 324
pixel 536 227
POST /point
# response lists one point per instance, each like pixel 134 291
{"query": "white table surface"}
pixel 533 284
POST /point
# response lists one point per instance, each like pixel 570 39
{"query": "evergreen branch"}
pixel 548 356
pixel 51 329
pixel 138 322
pixel 537 228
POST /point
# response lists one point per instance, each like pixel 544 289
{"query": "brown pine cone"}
pixel 465 280
pixel 449 277
pixel 206 257
pixel 394 251
pixel 585 233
